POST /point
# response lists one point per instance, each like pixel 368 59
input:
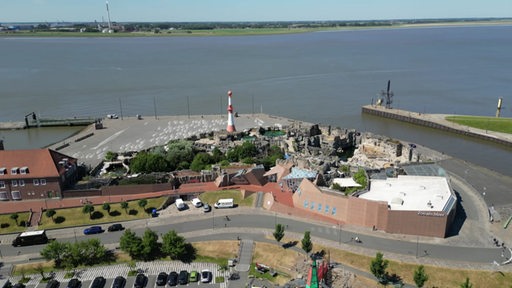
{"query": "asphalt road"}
pixel 256 226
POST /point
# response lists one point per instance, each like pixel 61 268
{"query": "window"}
pixel 326 208
pixel 14 183
pixel 14 170
pixel 21 182
pixel 312 205
pixel 36 182
pixel 306 204
pixel 2 184
pixel 333 211
pixel 42 181
pixel 16 195
pixel 3 171
pixel 3 196
pixel 24 170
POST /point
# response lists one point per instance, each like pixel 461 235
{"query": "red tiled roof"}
pixel 41 163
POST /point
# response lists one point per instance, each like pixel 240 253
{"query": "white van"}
pixel 224 203
pixel 180 204
pixel 197 202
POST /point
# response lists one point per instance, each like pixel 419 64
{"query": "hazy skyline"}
pixel 246 10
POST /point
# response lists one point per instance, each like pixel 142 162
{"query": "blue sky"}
pixel 247 10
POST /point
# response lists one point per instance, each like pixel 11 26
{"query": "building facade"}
pixel 35 174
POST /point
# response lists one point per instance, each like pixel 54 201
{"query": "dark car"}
pixel 172 280
pixel 74 283
pixel 140 281
pixel 119 282
pixel 115 227
pixel 183 277
pixel 161 279
pixel 93 230
pixel 98 282
pixel 53 284
pixel 19 285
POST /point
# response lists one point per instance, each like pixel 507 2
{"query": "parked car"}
pixel 115 227
pixel 207 207
pixel 119 282
pixel 74 283
pixel 19 285
pixel 98 282
pixel 140 281
pixel 93 230
pixel 193 277
pixel 161 279
pixel 183 277
pixel 53 284
pixel 197 202
pixel 172 279
pixel 206 276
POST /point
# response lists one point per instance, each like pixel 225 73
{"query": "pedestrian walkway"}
pixel 245 255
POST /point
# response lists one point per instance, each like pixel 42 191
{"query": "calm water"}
pixel 320 77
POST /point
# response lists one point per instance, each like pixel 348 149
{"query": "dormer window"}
pixel 14 170
pixel 3 171
pixel 24 170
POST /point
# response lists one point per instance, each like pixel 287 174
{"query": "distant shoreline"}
pixel 254 31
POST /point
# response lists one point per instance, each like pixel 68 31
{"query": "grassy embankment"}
pixel 503 125
pixel 212 197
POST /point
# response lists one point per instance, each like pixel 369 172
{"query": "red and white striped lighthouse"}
pixel 231 120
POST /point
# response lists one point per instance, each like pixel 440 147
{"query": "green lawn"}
pixel 503 125
pixel 213 196
pixel 7 225
pixel 75 217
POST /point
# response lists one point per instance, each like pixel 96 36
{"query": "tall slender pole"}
pixel 121 108
pixel 417 244
pixel 213 219
pixel 154 107
pixel 188 107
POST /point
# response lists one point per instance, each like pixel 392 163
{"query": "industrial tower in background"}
pixel 231 119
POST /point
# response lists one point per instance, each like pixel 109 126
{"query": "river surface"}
pixel 322 77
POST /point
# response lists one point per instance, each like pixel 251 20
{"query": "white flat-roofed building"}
pixel 413 193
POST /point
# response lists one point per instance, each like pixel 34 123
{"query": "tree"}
pixel 173 245
pixel 420 277
pixel 50 213
pixel 88 208
pixel 124 205
pixel 466 284
pixel 142 203
pixel 201 160
pixel 307 245
pixel 55 251
pixel 15 216
pixel 110 156
pixel 378 267
pixel 149 245
pixel 106 207
pixel 279 232
pixel 131 243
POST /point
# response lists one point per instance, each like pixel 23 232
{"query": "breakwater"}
pixel 438 121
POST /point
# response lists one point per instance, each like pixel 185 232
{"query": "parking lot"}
pixel 151 269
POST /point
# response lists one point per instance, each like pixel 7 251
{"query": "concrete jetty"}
pixel 438 121
pixel 134 134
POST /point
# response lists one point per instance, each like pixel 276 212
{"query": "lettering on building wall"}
pixel 433 214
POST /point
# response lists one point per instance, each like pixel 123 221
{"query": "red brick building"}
pixel 413 211
pixel 35 174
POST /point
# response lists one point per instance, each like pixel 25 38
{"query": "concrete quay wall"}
pixel 437 121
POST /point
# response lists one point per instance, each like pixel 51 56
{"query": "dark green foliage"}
pixel 142 203
pixel 201 161
pixel 378 267
pixel 89 252
pixel 307 245
pixel 15 216
pixel 150 246
pixel 217 155
pixel 360 178
pixel 247 149
pixel 131 244
pixel 420 276
pixel 279 232
pixel 174 245
pixel 125 205
pixel 146 162
pixel 106 207
pixel 88 208
pixel 178 152
pixel 110 156
pixel 50 213
pixel 466 284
